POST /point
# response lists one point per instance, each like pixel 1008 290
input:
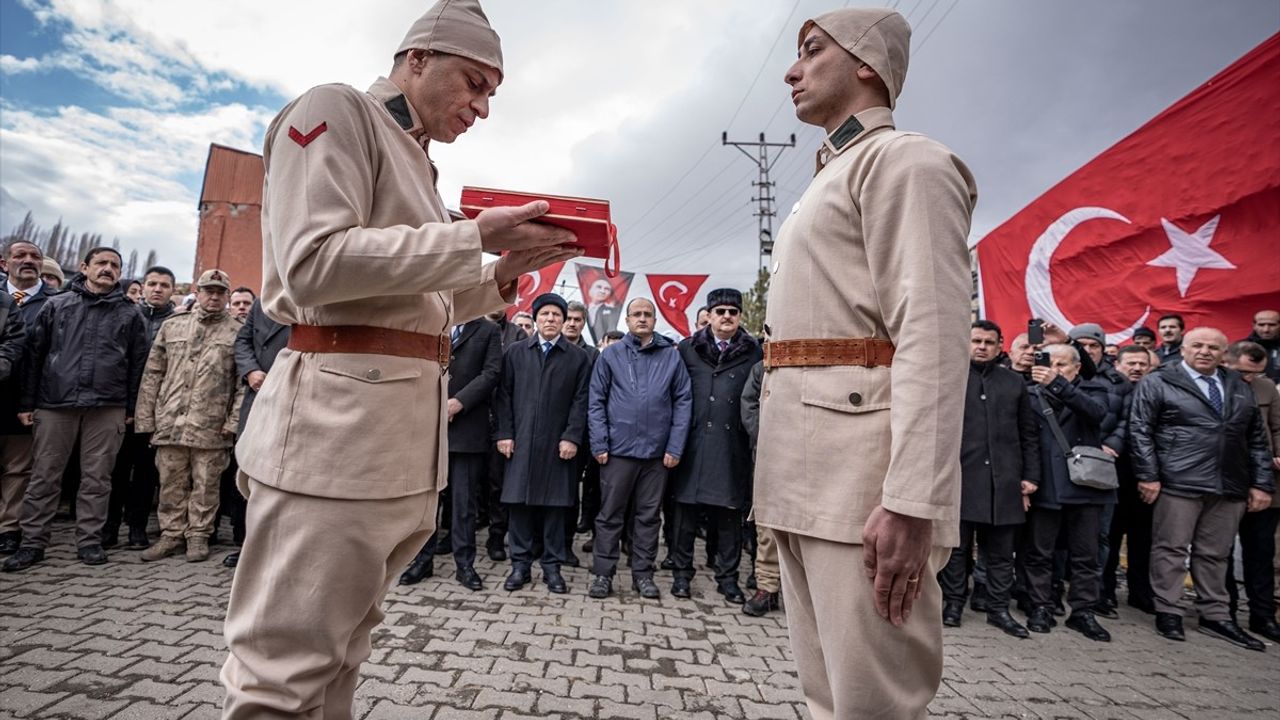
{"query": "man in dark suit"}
pixel 259 341
pixel 473 374
pixel 22 261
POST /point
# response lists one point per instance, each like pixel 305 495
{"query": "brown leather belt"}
pixel 368 340
pixel 863 352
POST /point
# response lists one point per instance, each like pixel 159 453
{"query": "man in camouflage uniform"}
pixel 190 402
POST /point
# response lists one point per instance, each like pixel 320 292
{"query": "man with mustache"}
pixel 80 381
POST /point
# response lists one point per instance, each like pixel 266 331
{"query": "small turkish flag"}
pixel 674 294
pixel 533 284
pixel 1179 217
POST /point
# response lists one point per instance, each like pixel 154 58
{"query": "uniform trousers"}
pixel 307 594
pixel 190 480
pixel 852 662
pixel 624 480
pixel 533 526
pixel 134 480
pixel 1257 551
pixel 15 472
pixel 1132 523
pixel 100 431
pixel 724 523
pixel 1208 524
pixel 767 574
pixel 1080 523
pixel 995 542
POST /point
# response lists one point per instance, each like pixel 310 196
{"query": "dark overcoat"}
pixel 473 376
pixel 716 468
pixel 1080 407
pixel 258 343
pixel 541 401
pixel 999 447
pixel 9 389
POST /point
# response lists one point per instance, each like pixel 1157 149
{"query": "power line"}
pixel 785 24
pixel 938 25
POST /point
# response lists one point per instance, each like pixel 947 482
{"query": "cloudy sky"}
pixel 107 107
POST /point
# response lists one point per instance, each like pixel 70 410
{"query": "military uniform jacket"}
pixel 876 247
pixel 354 233
pixel 191 391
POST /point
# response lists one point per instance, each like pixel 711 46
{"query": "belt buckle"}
pixel 444 353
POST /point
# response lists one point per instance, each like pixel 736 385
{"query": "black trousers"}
pixel 590 506
pixel 1257 551
pixel 538 526
pixel 1081 524
pixel 1132 521
pixel 995 542
pixel 134 480
pixel 493 500
pixel 230 502
pixel 623 480
pixel 725 524
pixel 466 482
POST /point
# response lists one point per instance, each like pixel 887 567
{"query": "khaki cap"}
pixel 214 278
pixel 51 267
pixel 457 27
pixel 879 37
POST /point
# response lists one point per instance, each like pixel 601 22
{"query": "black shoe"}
pixel 518 578
pixel 24 558
pixel 233 559
pixel 667 563
pixel 1041 620
pixel 978 601
pixel 601 587
pixel 10 542
pixel 731 592
pixel 1003 620
pixel 420 569
pixel 680 588
pixel 138 539
pixel 751 581
pixel 573 560
pixel 647 588
pixel 92 555
pixel 1146 605
pixel 583 527
pixel 1228 630
pixel 1266 627
pixel 952 610
pixel 497 554
pixel 1083 622
pixel 470 579
pixel 1169 626
pixel 1106 607
pixel 589 546
pixel 760 603
pixel 110 536
pixel 554 581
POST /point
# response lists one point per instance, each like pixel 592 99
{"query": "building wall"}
pixel 230 234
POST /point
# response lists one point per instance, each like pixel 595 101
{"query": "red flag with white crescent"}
pixel 673 294
pixel 533 284
pixel 1180 217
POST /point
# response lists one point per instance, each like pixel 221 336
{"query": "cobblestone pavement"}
pixel 128 640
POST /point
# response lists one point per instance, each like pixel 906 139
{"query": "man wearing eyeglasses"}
pixel 714 477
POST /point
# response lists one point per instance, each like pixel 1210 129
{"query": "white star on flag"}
pixel 1190 252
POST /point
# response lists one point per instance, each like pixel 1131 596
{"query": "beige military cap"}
pixel 214 278
pixel 879 37
pixel 51 267
pixel 457 27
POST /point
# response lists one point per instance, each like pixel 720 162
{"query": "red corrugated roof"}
pixel 232 176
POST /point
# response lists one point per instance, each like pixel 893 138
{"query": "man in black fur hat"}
pixel 715 476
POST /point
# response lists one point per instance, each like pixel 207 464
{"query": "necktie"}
pixel 1215 395
pixel 453 337
pixel 18 296
pixel 723 345
pixel 546 347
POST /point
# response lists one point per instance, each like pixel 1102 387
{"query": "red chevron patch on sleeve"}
pixel 305 140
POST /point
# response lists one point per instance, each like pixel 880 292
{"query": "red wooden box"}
pixel 587 218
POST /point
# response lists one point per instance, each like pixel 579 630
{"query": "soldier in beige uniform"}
pixel 190 403
pixel 345 451
pixel 858 466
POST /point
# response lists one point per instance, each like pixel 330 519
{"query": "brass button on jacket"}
pixel 373 374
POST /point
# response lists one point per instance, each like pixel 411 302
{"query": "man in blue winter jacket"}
pixel 638 417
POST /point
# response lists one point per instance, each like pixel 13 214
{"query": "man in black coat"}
pixel 258 343
pixel 714 476
pixel 1201 458
pixel 1078 407
pixel 84 364
pixel 541 406
pixel 491 507
pixel 23 262
pixel 999 469
pixel 474 370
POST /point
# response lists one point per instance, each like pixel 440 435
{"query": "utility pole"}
pixel 764 187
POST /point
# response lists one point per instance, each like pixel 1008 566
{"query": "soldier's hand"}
pixel 669 461
pixel 506 447
pixel 602 459
pixel 506 229
pixel 27 419
pixel 255 380
pixel 895 552
pixel 567 450
pixel 518 262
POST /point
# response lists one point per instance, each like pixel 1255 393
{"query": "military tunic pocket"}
pixel 846 388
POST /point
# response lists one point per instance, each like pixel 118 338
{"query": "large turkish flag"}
pixel 1180 216
pixel 674 295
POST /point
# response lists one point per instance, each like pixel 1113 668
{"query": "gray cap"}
pixel 1093 331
